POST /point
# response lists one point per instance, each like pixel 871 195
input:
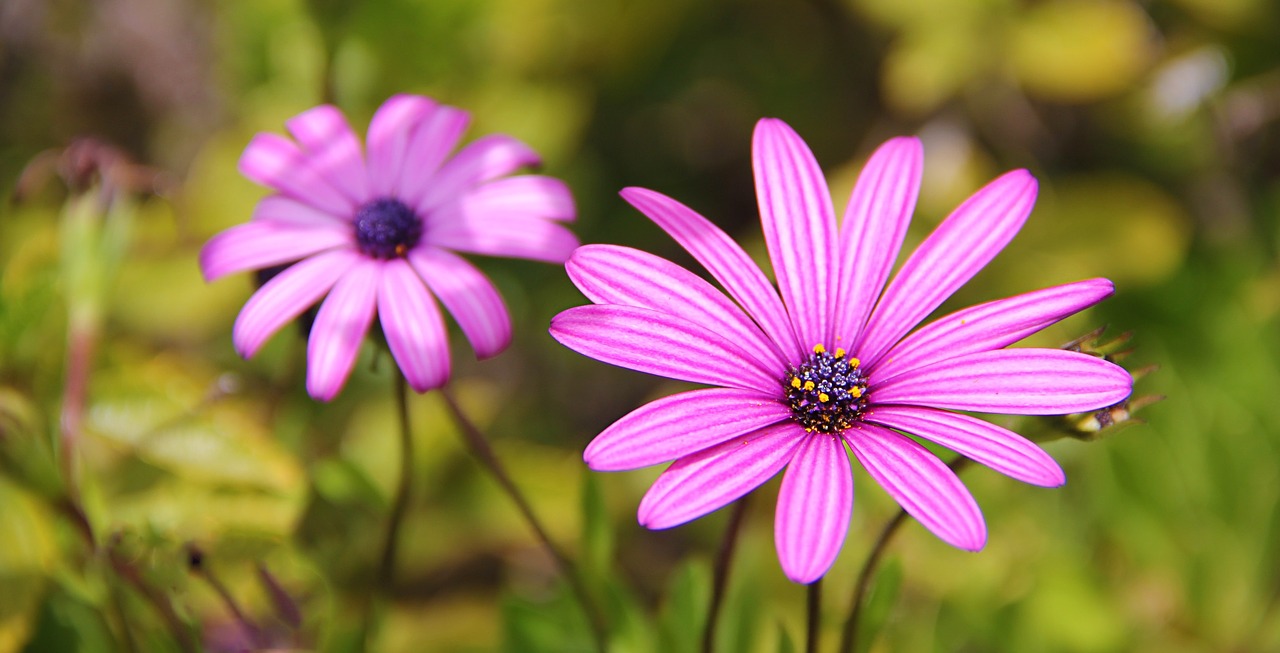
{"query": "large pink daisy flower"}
pixel 826 366
pixel 374 233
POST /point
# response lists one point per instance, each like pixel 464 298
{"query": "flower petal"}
pixel 413 327
pixel 475 304
pixel 286 296
pixel 276 162
pixel 279 208
pixel 927 489
pixel 263 243
pixel 609 274
pixel 1011 381
pixel 340 329
pixel 429 146
pixel 726 262
pixel 483 159
pixel 814 507
pixel 528 196
pixel 512 236
pixel 799 227
pixel 333 149
pixel 993 446
pixel 712 478
pixel 990 326
pixel 662 344
pixel 388 141
pixel 669 428
pixel 965 242
pixel 871 233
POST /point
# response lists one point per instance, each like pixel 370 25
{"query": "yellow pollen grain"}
pixel 824 397
pixel 853 362
pixel 840 352
pixel 818 348
pixel 855 391
pixel 795 382
pixel 808 385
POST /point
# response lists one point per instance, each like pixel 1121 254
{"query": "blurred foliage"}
pixel 1153 127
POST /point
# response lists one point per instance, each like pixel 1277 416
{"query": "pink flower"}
pixel 826 366
pixel 375 233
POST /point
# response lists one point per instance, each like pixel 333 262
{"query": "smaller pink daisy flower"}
pixel 375 233
pixel 827 368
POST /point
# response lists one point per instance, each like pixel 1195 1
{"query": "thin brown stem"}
pixel 814 622
pixel 849 635
pixel 720 573
pixel 399 506
pixel 199 565
pixel 479 447
pixel 178 628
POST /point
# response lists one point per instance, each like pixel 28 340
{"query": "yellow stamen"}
pixel 818 348
pixel 823 397
pixel 795 382
pixel 840 352
pixel 853 362
pixel 808 385
pixel 855 391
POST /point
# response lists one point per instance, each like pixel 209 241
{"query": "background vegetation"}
pixel 1154 128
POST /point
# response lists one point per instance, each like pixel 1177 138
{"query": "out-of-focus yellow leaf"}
pixel 27 552
pixel 1080 50
pixel 927 66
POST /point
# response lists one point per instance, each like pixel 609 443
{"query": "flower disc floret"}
pixel 827 393
pixel 386 228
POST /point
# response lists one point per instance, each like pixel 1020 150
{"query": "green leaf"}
pixel 597 530
pixel 685 612
pixel 880 601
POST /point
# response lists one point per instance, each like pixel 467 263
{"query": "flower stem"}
pixel 849 636
pixel 480 448
pixel 815 616
pixel 720 574
pixel 400 502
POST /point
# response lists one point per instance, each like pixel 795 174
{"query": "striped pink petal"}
pixel 481 160
pixel 413 327
pixel 814 507
pixel 388 142
pixel 279 208
pixel 276 162
pixel 430 145
pixel 286 296
pixel 993 446
pixel 609 274
pixel 340 328
pixel 990 326
pixel 871 233
pixel 712 478
pixel 262 243
pixel 1011 381
pixel 927 489
pixel 500 234
pixel 659 343
pixel 727 263
pixel 965 242
pixel 799 227
pixel 529 196
pixel 682 424
pixel 332 148
pixel 471 298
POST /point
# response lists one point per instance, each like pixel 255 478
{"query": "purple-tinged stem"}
pixel 480 448
pixel 720 573
pixel 814 623
pixel 849 636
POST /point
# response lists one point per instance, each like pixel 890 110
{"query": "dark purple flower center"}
pixel 827 393
pixel 386 228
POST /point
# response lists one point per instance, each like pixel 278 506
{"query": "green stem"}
pixel 400 502
pixel 813 624
pixel 720 574
pixel 849 635
pixel 480 448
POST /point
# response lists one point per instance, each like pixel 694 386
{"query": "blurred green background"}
pixel 1153 127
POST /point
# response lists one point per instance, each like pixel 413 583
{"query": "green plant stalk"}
pixel 720 572
pixel 480 448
